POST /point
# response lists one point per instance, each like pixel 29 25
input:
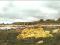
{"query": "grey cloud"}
pixel 34 13
pixel 55 5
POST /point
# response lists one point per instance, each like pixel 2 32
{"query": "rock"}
pixel 41 41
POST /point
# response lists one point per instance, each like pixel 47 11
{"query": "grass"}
pixel 8 37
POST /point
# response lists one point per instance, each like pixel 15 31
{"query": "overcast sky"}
pixel 27 11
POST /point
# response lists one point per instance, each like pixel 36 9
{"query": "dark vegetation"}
pixel 8 37
pixel 41 21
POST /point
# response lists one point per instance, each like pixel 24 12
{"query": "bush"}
pixel 36 33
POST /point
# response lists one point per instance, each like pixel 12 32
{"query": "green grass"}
pixel 8 37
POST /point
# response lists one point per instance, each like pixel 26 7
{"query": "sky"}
pixel 28 11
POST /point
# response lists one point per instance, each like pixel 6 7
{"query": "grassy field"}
pixel 8 37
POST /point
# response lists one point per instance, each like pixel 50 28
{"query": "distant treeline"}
pixel 26 23
pixel 41 21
